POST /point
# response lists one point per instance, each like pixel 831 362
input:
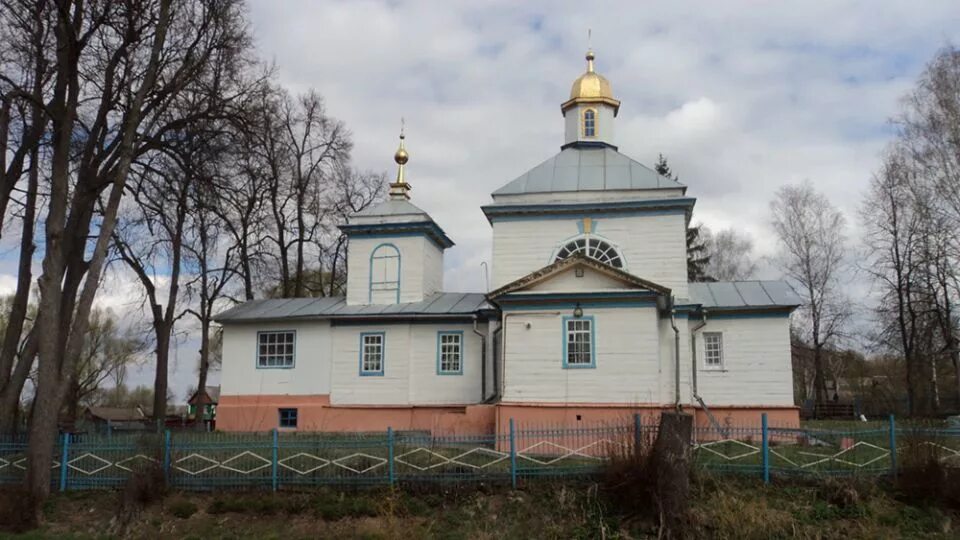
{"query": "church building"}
pixel 591 317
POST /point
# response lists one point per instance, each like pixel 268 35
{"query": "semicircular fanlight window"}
pixel 594 248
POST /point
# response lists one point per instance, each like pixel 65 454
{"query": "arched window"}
pixel 594 248
pixel 589 123
pixel 385 274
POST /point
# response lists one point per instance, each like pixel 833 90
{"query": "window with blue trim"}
pixel 385 274
pixel 579 342
pixel 450 353
pixel 275 349
pixel 371 354
pixel 288 418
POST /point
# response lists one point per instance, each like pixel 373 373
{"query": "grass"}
pixel 725 507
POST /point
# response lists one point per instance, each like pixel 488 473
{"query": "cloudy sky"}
pixel 741 96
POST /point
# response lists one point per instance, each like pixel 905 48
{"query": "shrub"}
pixel 142 487
pixel 181 508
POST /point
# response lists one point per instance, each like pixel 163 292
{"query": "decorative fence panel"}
pixel 278 460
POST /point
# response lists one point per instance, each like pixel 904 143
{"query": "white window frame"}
pixel 593 247
pixel 280 353
pixel 377 345
pixel 713 352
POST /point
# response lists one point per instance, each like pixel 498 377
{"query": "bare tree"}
pixel 107 351
pixel 929 137
pixel 811 255
pixel 25 27
pixel 893 231
pixel 118 67
pixel 730 255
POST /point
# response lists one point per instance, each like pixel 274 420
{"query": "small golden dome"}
pixel 401 157
pixel 591 87
pixel 591 84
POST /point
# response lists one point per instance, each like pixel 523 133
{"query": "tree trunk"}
pixel 160 378
pixel 204 353
pixel 10 395
pixel 21 300
pixel 819 381
pixel 670 464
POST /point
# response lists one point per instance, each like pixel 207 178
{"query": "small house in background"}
pixel 202 405
pixel 104 419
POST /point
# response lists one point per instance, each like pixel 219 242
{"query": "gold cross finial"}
pixel 400 188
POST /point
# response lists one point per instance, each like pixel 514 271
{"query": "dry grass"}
pixel 721 508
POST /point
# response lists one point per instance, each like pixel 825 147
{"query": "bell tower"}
pixel 395 252
pixel 591 109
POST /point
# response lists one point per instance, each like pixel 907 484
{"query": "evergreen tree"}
pixel 697 255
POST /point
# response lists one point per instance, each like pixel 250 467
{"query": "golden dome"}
pixel 591 84
pixel 591 87
pixel 401 157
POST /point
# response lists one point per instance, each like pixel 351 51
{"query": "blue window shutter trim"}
pixel 256 350
pixel 383 354
pixel 593 342
pixel 463 345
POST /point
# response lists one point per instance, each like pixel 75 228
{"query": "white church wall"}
pixel 668 360
pixel 756 362
pixel 432 269
pixel 309 376
pixel 590 281
pixel 573 120
pixel 410 367
pixel 654 246
pixel 421 268
pixel 627 358
pixel 427 386
pixel 348 387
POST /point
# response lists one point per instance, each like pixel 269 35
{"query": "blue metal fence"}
pixel 277 460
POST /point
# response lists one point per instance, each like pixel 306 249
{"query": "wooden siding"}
pixel 421 269
pixel 627 358
pixel 309 376
pixel 567 281
pixel 653 245
pixel 756 363
pixel 410 367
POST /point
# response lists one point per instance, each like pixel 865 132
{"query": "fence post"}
pixel 275 455
pixel 64 458
pixel 166 457
pixel 390 470
pixel 765 438
pixel 637 434
pixel 109 430
pixel 893 446
pixel 513 456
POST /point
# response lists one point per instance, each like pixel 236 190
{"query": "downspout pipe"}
pixel 676 354
pixel 496 368
pixel 693 353
pixel 483 357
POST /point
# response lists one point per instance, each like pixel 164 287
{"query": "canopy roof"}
pixel 744 294
pixel 333 307
pixel 587 168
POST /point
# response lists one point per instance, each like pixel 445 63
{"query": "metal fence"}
pixel 277 460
